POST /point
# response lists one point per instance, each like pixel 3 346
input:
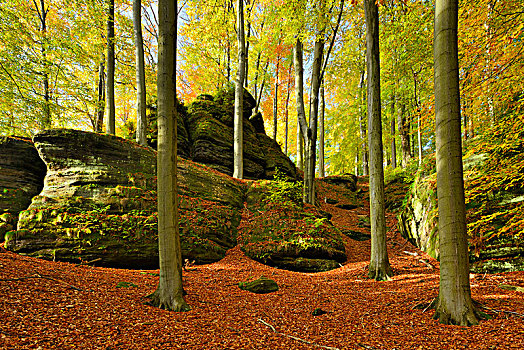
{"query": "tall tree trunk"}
pixel 101 97
pixel 362 127
pixel 393 140
pixel 238 168
pixel 275 102
pixel 42 11
pixel 299 92
pixel 454 304
pixel 261 88
pixel 286 135
pixel 110 84
pixel 168 294
pixel 379 267
pixel 403 129
pixel 141 122
pixel 311 139
pixel 321 165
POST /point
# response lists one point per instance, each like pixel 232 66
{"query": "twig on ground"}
pixel 90 262
pixel 296 338
pixel 427 263
pixel 502 311
pixel 43 277
pixel 366 346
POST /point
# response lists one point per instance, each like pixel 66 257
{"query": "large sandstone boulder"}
pixel 21 177
pixel 99 203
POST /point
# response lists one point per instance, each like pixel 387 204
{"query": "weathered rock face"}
pixel 21 177
pixel 99 203
pixel 209 126
pixel 348 181
pixel 418 222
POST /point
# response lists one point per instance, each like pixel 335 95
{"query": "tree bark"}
pixel 275 102
pixel 393 140
pixel 101 97
pixel 286 134
pixel 141 122
pixel 454 305
pixel 46 121
pixel 299 92
pixel 169 292
pixel 379 268
pixel 238 169
pixel 110 83
pixel 362 127
pixel 321 165
pixel 311 139
pixel 403 129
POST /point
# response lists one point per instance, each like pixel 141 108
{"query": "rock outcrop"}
pixel 208 124
pixel 418 222
pixel 21 177
pixel 99 204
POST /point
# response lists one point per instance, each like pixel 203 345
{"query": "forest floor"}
pixel 55 305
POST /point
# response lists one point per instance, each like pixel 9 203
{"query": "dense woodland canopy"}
pixel 53 53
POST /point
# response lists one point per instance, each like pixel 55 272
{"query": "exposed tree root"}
pixel 296 338
pixel 469 317
pixel 171 303
pixel 380 272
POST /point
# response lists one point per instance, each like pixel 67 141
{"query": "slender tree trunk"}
pixel 299 91
pixel 286 136
pixel 454 301
pixel 362 127
pixel 110 84
pixel 238 168
pixel 403 129
pixel 275 102
pixel 393 140
pixel 379 268
pixel 141 122
pixel 311 140
pixel 42 11
pixel 419 135
pixel 356 163
pixel 169 291
pixel 321 165
pixel 261 88
pixel 101 97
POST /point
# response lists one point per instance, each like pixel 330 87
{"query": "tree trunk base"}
pixel 167 302
pixel 468 316
pixel 380 272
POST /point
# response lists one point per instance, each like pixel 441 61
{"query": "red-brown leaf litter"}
pixel 55 305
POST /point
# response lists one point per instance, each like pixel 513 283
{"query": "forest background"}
pixel 53 54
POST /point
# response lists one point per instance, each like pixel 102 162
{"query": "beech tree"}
pixel 110 82
pixel 141 123
pixel 238 169
pixel 454 304
pixel 379 267
pixel 169 293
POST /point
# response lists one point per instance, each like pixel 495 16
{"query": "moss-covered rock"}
pixel 492 252
pixel 277 230
pixel 210 129
pixel 262 285
pixel 21 177
pixel 99 203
